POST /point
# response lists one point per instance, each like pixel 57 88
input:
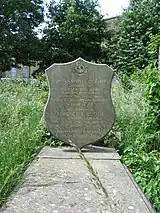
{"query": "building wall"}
pixel 111 21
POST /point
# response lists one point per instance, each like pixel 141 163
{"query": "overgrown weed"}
pixel 21 110
pixel 136 142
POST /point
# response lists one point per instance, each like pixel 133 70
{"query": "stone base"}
pixel 59 182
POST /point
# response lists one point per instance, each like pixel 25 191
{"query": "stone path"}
pixel 59 182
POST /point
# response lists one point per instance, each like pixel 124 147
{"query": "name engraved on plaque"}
pixel 80 101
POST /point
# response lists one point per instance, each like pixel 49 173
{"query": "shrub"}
pixel 137 126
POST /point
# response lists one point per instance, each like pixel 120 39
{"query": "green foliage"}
pixel 137 130
pixel 153 96
pixel 76 29
pixel 151 123
pixel 135 133
pixel 18 38
pixel 145 167
pixel 21 132
pixel 131 107
pixel 133 35
pixel 153 47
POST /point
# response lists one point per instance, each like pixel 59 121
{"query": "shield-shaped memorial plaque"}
pixel 79 106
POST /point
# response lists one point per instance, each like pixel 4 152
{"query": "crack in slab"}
pixel 49 184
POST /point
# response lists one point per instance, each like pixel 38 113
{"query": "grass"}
pixel 21 109
pixel 135 143
pixel 131 108
pixel 22 134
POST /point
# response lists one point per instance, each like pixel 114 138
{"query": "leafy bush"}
pixel 145 168
pixel 138 143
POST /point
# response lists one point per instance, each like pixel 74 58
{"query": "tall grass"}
pixel 131 108
pixel 21 109
pixel 134 142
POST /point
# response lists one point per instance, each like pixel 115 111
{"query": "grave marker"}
pixel 25 72
pixel 79 106
pixel 13 72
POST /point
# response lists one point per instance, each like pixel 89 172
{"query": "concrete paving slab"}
pixel 61 184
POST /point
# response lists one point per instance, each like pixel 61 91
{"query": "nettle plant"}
pixel 145 168
pixel 152 95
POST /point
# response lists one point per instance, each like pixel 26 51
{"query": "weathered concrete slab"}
pixel 61 184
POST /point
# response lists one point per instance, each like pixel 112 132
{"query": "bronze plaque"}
pixel 79 106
